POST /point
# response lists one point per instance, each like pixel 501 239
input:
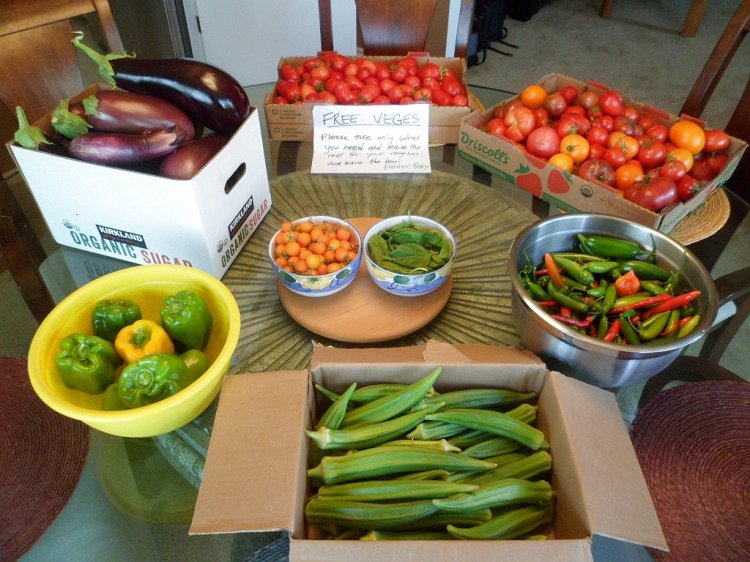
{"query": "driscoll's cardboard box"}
pixel 146 219
pixel 255 472
pixel 567 191
pixel 294 122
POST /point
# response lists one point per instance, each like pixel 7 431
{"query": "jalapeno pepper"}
pixel 565 300
pixel 609 247
pixel 654 326
pixel 646 270
pixel 652 287
pixel 575 270
pixel 689 326
pixel 600 267
pixel 628 331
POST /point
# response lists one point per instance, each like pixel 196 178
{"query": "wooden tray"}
pixel 363 312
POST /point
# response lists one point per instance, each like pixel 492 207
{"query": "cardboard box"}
pixel 294 122
pixel 255 479
pixel 144 218
pixel 567 191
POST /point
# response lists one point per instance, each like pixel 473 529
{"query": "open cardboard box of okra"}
pixel 256 480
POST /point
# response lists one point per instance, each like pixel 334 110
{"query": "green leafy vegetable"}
pixel 410 249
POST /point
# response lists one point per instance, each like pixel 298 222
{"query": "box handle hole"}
pixel 235 178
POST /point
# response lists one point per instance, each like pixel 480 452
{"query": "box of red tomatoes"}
pixel 332 78
pixel 583 147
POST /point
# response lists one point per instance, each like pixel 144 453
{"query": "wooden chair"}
pixel 397 27
pixel 38 67
pixel 739 123
pixel 690 25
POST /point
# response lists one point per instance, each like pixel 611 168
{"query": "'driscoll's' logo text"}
pixel 497 154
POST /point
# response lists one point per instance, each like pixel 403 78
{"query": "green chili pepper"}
pixel 627 329
pixel 672 323
pixel 597 292
pixel 86 363
pixel 671 285
pixel 565 300
pixel 151 379
pixel 573 284
pixel 575 270
pixel 654 326
pixel 600 267
pixel 628 300
pixel 645 270
pixel 537 292
pixel 609 247
pixel 689 326
pixel 112 315
pixel 602 328
pixel 609 299
pixel 652 287
pixel 578 257
pixel 187 319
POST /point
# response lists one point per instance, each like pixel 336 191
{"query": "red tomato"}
pixel 625 124
pixel 716 141
pixel 588 99
pixel 632 114
pixel 615 157
pixel 399 74
pixel 386 85
pixel 673 169
pixel 686 188
pixel 520 122
pixel 555 105
pixel 658 132
pixel 573 123
pixel 652 192
pixel 647 121
pixel 702 171
pixel 496 126
pixel 400 91
pixel 597 170
pixel 287 72
pixel 460 101
pixel 289 90
pixel 309 64
pixel 441 97
pixel 543 142
pixel 652 154
pixel 569 94
pixel 413 82
pixel 717 161
pixel 423 94
pixel 429 70
pixel 541 117
pixel 451 86
pixel 596 151
pixel 605 122
pixel 368 93
pixel 382 99
pixel 611 103
pixel 354 82
pixel 430 83
pixel 575 109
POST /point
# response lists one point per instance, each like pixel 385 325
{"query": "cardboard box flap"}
pixel 475 551
pixel 260 413
pixel 610 483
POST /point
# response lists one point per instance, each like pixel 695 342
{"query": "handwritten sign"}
pixel 373 139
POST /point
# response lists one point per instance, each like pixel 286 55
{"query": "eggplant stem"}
pixel 102 60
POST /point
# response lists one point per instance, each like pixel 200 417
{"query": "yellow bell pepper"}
pixel 141 338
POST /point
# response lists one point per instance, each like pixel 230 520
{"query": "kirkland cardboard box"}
pixel 146 219
pixel 255 472
pixel 567 191
pixel 294 122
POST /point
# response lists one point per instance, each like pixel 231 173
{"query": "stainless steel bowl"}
pixel 600 363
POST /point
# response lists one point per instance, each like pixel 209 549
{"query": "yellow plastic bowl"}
pixel 148 286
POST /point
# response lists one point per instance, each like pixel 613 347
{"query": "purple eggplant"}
pixel 207 94
pixel 189 158
pixel 125 148
pixel 118 111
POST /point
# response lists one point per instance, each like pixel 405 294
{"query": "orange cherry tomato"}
pixel 627 144
pixel 575 146
pixel 687 135
pixel 533 96
pixel 562 161
pixel 626 175
pixel 683 155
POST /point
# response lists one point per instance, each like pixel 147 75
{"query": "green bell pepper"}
pixel 187 320
pixel 87 363
pixel 196 362
pixel 111 399
pixel 112 315
pixel 151 379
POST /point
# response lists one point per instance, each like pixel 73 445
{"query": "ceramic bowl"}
pixel 318 285
pixel 408 285
pixel 148 285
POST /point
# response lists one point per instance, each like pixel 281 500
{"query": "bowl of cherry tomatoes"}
pixel 316 256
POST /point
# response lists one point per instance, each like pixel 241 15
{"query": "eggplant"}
pixel 125 148
pixel 206 93
pixel 118 111
pixel 189 158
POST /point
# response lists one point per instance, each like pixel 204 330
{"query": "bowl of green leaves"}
pixel 409 255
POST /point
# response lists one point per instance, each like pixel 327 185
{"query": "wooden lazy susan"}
pixel 363 312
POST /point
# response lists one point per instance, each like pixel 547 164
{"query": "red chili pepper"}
pixel 541 272
pixel 672 303
pixel 645 303
pixel 592 331
pixel 613 331
pixel 547 303
pixel 565 311
pixel 684 321
pixel 572 321
pixel 553 271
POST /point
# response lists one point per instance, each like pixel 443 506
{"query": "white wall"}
pixel 247 38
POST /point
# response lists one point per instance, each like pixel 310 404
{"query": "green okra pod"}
pixel 369 435
pixel 500 493
pixel 525 467
pixel 479 398
pixel 394 490
pixel 499 460
pixel 334 415
pixel 434 444
pixel 435 430
pixel 375 535
pixel 434 474
pixel 496 423
pixel 492 447
pixel 507 525
pixel 439 520
pixel 367 515
pixel 468 438
pixel 380 461
pixel 392 404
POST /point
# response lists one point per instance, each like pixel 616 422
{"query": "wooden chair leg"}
pixel 693 18
pixel 606 9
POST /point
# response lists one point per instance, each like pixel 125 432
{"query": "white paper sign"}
pixel 371 139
